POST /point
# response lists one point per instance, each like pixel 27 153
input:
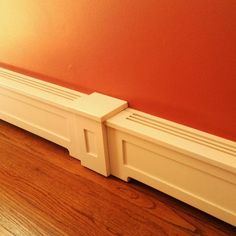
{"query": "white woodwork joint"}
pixel 69 118
pixel 109 138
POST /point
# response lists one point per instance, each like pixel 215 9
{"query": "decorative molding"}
pixel 71 119
pixel 190 165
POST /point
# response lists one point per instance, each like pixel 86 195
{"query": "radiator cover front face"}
pixel 190 165
pixel 71 119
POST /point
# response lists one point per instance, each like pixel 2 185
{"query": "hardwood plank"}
pixel 45 192
pixel 5 232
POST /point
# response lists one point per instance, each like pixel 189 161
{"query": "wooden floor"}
pixel 43 191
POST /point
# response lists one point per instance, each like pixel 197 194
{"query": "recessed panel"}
pixel 29 112
pixel 90 142
pixel 160 167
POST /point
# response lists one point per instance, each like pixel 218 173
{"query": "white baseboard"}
pixel 71 119
pixel 190 165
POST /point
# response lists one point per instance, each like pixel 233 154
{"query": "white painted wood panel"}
pixel 192 166
pixel 71 119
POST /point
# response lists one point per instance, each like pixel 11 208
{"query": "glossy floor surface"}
pixel 43 191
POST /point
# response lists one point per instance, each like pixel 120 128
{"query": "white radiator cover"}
pixel 190 165
pixel 71 119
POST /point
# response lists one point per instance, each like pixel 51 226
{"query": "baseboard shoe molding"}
pixel 109 138
pixel 61 115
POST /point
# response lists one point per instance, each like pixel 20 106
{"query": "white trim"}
pixel 190 165
pixel 60 115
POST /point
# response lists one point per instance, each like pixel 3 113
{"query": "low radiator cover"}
pixel 109 138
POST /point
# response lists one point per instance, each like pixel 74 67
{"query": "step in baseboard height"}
pixel 109 138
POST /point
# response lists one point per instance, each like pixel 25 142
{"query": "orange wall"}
pixel 172 58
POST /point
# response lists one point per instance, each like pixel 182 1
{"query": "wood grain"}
pixel 43 191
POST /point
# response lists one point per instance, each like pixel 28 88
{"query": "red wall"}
pixel 172 58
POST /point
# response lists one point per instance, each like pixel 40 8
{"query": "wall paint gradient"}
pixel 175 59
